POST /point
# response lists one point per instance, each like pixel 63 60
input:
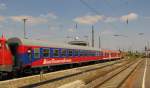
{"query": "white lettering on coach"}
pixel 53 61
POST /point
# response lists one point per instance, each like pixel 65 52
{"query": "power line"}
pixel 94 10
pixel 88 6
pixel 126 3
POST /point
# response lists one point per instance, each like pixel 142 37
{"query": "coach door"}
pixel 13 48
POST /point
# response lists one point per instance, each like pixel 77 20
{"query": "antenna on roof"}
pixel 127 21
pixel 76 26
pixel 3 36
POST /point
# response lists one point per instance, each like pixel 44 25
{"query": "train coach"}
pixel 111 54
pixel 20 55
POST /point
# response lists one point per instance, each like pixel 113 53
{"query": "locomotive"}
pixel 20 55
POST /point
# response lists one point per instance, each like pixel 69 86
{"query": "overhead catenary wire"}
pixel 93 10
pixel 98 13
pixel 88 6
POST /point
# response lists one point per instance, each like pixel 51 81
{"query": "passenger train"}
pixel 18 55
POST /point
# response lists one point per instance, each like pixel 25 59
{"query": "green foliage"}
pixel 134 54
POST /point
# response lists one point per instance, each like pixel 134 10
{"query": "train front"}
pixel 6 60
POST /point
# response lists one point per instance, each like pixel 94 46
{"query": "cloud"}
pixel 34 19
pixel 20 18
pixel 110 19
pixel 130 17
pixel 148 18
pixel 30 19
pixel 49 15
pixel 124 18
pixel 71 30
pixel 1 26
pixel 107 32
pixel 2 18
pixel 38 20
pixel 88 19
pixel 3 6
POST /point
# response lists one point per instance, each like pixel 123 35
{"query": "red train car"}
pixel 6 59
pixel 26 54
pixel 112 54
pixel 34 53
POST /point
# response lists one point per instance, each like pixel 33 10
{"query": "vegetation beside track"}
pixel 134 55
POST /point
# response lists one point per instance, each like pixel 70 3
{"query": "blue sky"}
pixel 54 20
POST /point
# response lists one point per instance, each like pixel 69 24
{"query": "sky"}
pixel 62 20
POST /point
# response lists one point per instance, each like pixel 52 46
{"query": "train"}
pixel 19 55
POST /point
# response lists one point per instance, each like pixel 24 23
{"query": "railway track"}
pixel 115 78
pixel 53 80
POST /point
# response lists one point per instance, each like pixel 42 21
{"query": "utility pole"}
pixel 148 44
pixel 24 20
pixel 147 49
pixel 76 26
pixel 99 41
pixel 92 36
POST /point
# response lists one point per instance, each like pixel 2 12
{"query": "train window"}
pixel 107 54
pixel 100 54
pixel 70 52
pixel 88 53
pixel 55 52
pixel 91 53
pixel 46 52
pixel 63 52
pixel 76 53
pixel 94 53
pixel 97 53
pixel 81 53
pixel 85 52
pixel 36 52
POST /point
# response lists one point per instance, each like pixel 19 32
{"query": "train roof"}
pixel 31 42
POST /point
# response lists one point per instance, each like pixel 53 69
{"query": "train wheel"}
pixel 3 76
pixel 27 72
